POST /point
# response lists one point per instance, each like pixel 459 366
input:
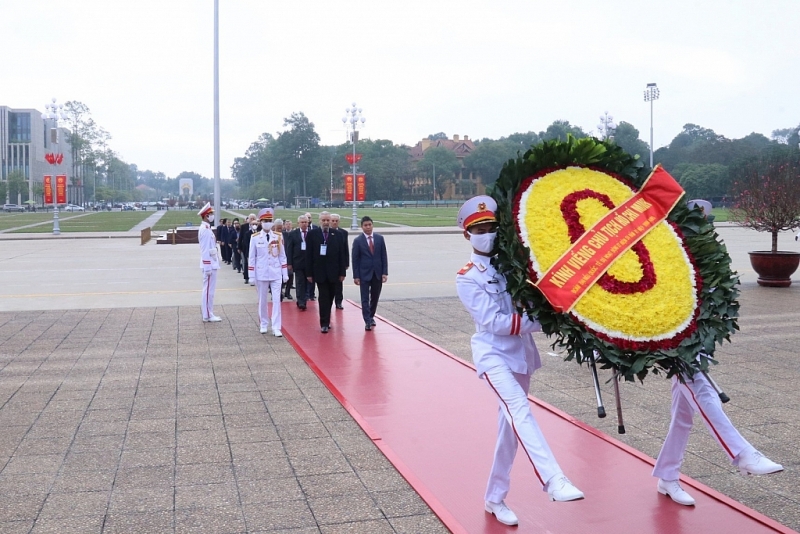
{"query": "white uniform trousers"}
pixel 698 396
pixel 264 288
pixel 515 423
pixel 207 296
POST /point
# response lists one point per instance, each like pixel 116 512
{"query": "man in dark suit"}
pixel 233 245
pixel 310 291
pixel 338 298
pixel 244 245
pixel 222 239
pixel 296 251
pixel 326 264
pixel 370 269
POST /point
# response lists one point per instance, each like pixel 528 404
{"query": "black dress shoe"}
pixel 372 322
pixel 289 297
pixel 368 327
pixel 324 329
pixel 339 307
pixel 312 298
pixel 246 281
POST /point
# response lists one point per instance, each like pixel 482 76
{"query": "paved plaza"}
pixel 122 412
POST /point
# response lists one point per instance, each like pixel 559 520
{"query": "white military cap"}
pixel 265 214
pixel 704 205
pixel 477 210
pixel 206 210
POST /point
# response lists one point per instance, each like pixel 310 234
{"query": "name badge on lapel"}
pixel 323 250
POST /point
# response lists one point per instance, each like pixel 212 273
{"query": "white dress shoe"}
pixel 263 329
pixel 502 512
pixel 214 319
pixel 674 491
pixel 277 333
pixel 561 489
pixel 755 463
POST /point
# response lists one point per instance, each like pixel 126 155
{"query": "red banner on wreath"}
pixel 361 187
pixel 568 279
pixel 348 188
pixel 47 186
pixel 61 189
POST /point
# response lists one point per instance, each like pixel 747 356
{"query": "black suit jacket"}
pixel 244 240
pixel 295 255
pixel 326 268
pixel 346 239
pixel 365 264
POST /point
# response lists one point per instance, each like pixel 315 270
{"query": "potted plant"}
pixel 766 193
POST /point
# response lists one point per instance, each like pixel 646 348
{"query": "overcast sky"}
pixel 475 67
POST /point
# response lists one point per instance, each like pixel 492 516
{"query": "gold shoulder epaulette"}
pixel 466 268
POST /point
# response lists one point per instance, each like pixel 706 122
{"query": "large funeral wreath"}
pixel 662 303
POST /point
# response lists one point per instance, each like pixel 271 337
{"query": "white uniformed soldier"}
pixel 697 395
pixel 505 357
pixel 209 262
pixel 267 264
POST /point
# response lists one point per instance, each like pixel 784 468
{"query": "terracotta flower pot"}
pixel 774 269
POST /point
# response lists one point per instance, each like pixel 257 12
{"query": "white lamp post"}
pixel 54 112
pixel 651 93
pixel 353 116
pixel 606 126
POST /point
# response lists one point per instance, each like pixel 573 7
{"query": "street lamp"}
pixel 54 112
pixel 651 93
pixel 353 116
pixel 606 126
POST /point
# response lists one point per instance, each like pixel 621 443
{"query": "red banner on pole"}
pixel 353 158
pixel 47 186
pixel 348 188
pixel 61 189
pixel 598 248
pixel 361 187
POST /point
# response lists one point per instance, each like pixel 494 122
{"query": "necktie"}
pixel 371 246
pixel 304 236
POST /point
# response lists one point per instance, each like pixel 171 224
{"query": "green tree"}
pixel 488 158
pixel 442 164
pixel 703 180
pixel 3 191
pixel 297 151
pixel 17 186
pixel 387 167
pixel 627 137
pixel 522 141
pixel 560 129
pixel 437 136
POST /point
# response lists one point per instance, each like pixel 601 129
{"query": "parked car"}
pixel 13 207
pixel 73 207
pixel 381 204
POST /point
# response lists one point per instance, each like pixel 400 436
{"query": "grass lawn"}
pixel 101 221
pixel 721 214
pixel 386 217
pixel 173 218
pixel 12 220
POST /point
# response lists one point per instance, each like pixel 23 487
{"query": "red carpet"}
pixel 436 421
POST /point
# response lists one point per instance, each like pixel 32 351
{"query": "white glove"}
pixel 252 282
pixel 285 279
pixel 207 272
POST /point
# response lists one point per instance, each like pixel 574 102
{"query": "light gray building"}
pixel 24 141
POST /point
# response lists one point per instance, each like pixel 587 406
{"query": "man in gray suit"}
pixel 370 269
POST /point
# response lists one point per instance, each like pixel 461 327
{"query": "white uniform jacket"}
pixel 502 337
pixel 209 257
pixel 267 258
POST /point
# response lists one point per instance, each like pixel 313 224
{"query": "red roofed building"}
pixel 465 185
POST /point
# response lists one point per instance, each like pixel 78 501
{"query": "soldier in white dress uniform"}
pixel 505 356
pixel 697 395
pixel 268 269
pixel 209 263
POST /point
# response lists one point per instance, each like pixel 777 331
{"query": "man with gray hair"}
pixel 338 297
pixel 326 264
pixel 296 250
